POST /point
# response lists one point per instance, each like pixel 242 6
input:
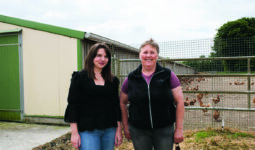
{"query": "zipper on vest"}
pixel 150 96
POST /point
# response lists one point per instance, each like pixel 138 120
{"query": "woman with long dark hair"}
pixel 93 109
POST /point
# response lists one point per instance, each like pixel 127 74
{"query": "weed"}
pixel 204 134
pixel 213 142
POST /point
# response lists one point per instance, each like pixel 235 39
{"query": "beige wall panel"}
pixel 48 62
pixel 4 26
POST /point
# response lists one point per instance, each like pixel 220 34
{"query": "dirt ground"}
pixel 220 140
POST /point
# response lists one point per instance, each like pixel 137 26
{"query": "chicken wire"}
pixel 185 48
pixel 235 107
pixel 223 67
pixel 217 47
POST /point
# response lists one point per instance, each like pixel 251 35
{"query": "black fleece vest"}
pixel 151 106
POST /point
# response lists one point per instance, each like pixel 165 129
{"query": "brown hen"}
pixel 203 105
pixel 192 102
pixel 216 115
pixel 200 95
pixel 187 101
pixel 216 100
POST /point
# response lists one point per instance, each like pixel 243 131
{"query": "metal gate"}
pixel 11 102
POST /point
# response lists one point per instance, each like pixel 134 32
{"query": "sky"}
pixel 134 21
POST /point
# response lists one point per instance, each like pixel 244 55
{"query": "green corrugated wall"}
pixel 9 78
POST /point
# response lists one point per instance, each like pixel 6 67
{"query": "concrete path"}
pixel 21 136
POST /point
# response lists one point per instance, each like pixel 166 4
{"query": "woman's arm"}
pixel 123 106
pixel 75 138
pixel 178 99
pixel 118 135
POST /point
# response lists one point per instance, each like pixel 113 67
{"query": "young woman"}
pixel 93 109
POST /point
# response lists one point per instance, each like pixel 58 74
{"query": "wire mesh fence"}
pixel 222 70
pixel 185 48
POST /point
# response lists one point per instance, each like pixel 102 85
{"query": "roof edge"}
pixel 43 27
pixel 10 31
pixel 99 38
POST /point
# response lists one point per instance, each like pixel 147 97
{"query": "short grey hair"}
pixel 150 42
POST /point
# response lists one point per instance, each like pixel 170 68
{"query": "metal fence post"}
pixel 113 60
pixel 164 63
pixel 118 69
pixel 249 82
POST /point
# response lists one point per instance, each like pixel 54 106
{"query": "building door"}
pixel 10 92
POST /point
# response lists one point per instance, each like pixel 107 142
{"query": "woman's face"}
pixel 101 59
pixel 148 56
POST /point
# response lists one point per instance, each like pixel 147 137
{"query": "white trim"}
pixel 21 78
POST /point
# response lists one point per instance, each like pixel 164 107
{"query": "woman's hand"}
pixel 178 136
pixel 178 97
pixel 118 136
pixel 127 133
pixel 76 140
pixel 123 106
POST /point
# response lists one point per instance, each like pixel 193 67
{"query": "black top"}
pixel 92 106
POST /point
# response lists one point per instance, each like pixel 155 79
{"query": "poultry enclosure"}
pixel 216 68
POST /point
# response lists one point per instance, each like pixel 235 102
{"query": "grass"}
pixel 218 139
pixel 204 134
pixel 240 134
pixel 45 116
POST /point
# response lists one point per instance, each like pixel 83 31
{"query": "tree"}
pixel 233 39
pixel 201 65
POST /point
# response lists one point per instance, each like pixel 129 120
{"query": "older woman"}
pixel 156 103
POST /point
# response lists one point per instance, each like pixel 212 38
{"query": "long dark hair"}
pixel 89 65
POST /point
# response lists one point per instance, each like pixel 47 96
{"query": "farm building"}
pixel 37 61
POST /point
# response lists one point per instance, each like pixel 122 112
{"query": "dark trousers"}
pixel 159 139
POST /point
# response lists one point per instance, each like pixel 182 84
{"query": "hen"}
pixel 203 105
pixel 187 101
pixel 216 115
pixel 216 100
pixel 200 95
pixel 192 102
pixel 195 88
pixel 187 88
pixel 239 83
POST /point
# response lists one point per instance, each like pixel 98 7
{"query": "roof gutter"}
pixel 10 31
pixel 42 27
pixel 98 38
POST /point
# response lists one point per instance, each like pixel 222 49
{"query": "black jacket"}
pixel 92 106
pixel 151 106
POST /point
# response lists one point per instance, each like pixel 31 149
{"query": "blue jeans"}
pixel 159 139
pixel 98 139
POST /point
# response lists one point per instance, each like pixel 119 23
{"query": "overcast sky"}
pixel 134 21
